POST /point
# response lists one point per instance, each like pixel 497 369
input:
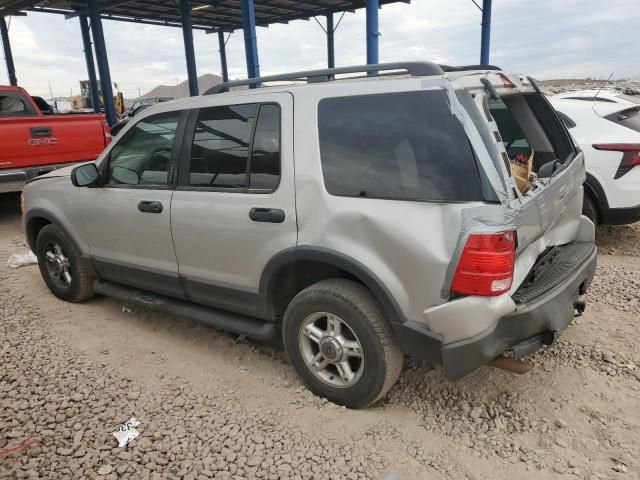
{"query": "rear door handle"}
pixel 150 206
pixel 37 132
pixel 272 215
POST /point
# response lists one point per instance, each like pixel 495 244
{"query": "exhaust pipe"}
pixel 512 365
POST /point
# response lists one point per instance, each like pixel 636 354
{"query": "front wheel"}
pixel 61 267
pixel 339 342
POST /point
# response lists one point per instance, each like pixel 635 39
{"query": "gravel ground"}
pixel 218 406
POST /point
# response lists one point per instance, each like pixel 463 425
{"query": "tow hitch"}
pixel 579 306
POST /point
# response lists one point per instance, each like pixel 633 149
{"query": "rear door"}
pixel 234 207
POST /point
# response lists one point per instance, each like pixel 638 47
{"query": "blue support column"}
pixel 8 56
pixel 103 62
pixel 486 32
pixel 91 68
pixel 189 51
pixel 223 57
pixel 250 39
pixel 331 52
pixel 372 32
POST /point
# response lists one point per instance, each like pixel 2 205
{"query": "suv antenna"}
pixel 602 86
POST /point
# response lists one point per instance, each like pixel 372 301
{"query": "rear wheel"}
pixel 63 272
pixel 338 341
pixel 589 209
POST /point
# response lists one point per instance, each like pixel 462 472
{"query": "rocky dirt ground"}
pixel 217 406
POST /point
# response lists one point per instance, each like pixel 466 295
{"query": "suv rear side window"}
pixel 405 146
pixel 221 146
pixel 231 149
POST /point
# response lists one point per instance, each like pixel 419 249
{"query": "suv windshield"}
pixel 404 145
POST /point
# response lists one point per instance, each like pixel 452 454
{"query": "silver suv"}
pixel 359 213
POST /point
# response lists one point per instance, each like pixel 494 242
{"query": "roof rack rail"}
pixel 464 68
pixel 415 69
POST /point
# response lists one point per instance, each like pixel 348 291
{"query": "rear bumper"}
pixel 13 180
pixel 536 321
pixel 542 311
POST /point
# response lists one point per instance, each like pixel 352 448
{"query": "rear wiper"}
pixel 490 89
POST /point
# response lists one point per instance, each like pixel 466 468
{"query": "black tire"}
pixel 589 209
pixel 357 308
pixel 81 286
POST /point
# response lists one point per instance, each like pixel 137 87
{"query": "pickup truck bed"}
pixel 34 143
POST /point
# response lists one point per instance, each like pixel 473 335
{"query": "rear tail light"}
pixel 486 264
pixel 630 155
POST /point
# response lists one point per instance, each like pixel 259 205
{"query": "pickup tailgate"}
pixel 50 140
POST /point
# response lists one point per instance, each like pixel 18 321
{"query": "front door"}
pixel 234 208
pixel 128 221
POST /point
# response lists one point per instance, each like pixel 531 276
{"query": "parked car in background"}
pixel 33 142
pixel 395 226
pixel 596 95
pixel 607 128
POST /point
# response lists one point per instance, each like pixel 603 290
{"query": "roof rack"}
pixel 464 68
pixel 415 69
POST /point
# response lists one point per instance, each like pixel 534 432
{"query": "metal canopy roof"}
pixel 213 15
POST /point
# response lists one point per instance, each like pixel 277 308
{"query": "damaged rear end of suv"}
pixel 398 209
pixel 522 261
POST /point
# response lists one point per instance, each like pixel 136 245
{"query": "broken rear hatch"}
pixel 534 167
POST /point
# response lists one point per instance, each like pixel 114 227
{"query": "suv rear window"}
pixel 405 146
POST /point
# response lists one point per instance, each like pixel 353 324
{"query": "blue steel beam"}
pixel 372 33
pixel 103 62
pixel 189 51
pixel 486 32
pixel 8 56
pixel 331 51
pixel 223 56
pixel 250 39
pixel 91 68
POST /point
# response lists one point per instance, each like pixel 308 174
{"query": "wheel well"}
pixel 33 228
pixel 294 277
pixel 589 193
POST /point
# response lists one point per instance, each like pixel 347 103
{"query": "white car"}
pixel 595 95
pixel 606 125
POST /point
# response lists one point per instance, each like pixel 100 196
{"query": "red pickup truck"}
pixel 33 143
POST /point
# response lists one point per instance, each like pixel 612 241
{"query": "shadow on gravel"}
pixel 9 206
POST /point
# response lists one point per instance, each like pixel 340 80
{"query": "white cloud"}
pixel 546 38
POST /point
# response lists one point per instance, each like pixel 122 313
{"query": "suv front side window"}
pixel 144 155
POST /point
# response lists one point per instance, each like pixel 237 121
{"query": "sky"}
pixel 543 38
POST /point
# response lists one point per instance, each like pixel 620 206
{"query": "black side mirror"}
pixel 85 175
